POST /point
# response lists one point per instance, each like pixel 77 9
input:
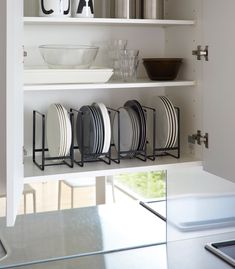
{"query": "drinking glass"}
pixel 115 46
pixel 129 62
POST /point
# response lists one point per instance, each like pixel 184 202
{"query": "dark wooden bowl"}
pixel 162 68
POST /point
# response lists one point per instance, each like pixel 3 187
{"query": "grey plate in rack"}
pixel 126 131
pixel 100 126
pixel 89 130
pixel 135 105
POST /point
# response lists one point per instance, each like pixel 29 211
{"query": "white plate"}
pixel 163 124
pixel 126 131
pixel 66 76
pixel 62 128
pixel 107 127
pixel 174 121
pixel 67 131
pixel 53 131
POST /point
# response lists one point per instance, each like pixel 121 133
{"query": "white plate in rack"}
pixel 174 122
pixel 67 130
pixel 107 126
pixel 54 132
pixel 163 123
pixel 42 75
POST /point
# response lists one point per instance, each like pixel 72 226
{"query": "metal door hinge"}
pixel 199 139
pixel 24 54
pixel 201 53
pixel 25 153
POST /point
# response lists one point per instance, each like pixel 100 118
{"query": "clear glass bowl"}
pixel 68 56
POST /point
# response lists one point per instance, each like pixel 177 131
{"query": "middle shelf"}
pixel 33 174
pixel 140 83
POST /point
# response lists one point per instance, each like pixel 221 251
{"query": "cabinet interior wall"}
pixel 149 40
pixel 114 98
pixel 182 9
pixel 31 8
pixel 152 41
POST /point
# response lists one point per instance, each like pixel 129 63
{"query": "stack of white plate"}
pixel 93 129
pixel 43 75
pixel 129 133
pixel 58 131
pixel 166 123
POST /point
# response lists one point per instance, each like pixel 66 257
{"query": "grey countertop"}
pixel 183 254
pixel 53 235
pixel 115 238
pixel 191 253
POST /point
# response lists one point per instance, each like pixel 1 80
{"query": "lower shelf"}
pixel 32 173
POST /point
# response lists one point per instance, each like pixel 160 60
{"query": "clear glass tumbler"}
pixel 114 48
pixel 129 62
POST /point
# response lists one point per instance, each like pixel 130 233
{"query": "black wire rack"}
pixel 141 154
pixel 82 157
pixel 78 155
pixel 43 160
pixel 175 150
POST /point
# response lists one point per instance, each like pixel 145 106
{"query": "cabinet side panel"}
pixel 14 97
pixel 218 87
pixel 3 97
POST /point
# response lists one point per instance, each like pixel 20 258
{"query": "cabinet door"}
pixel 218 89
pixel 11 104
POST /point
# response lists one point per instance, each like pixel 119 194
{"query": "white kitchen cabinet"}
pixel 11 138
pixel 203 90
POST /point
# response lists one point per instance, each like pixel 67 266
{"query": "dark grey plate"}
pixel 89 131
pixel 136 130
pixel 100 128
pixel 97 129
pixel 136 106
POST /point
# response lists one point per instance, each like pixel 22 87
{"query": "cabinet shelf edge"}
pixel 105 21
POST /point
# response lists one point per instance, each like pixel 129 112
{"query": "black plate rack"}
pixel 172 151
pixel 143 154
pixel 43 160
pixel 82 157
pixel 78 156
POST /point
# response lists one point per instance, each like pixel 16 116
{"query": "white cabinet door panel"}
pixel 12 91
pixel 218 87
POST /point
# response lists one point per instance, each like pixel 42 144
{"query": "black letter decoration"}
pixel 82 4
pixel 47 12
pixel 66 12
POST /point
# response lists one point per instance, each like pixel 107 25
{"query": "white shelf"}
pixel 104 21
pixel 33 174
pixel 109 85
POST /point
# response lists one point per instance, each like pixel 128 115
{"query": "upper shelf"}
pixel 141 83
pixel 104 21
